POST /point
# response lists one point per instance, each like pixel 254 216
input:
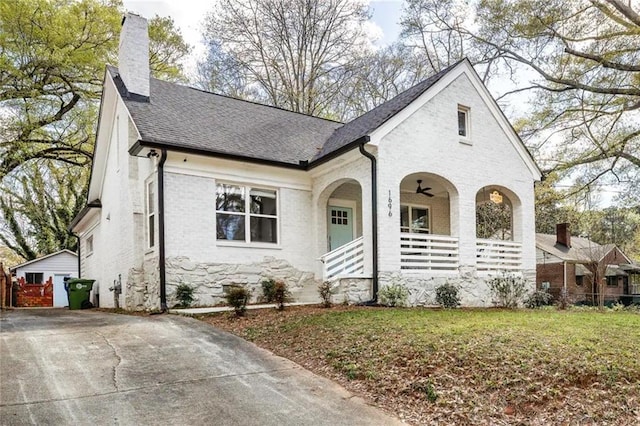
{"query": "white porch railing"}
pixel 346 259
pixel 498 255
pixel 428 252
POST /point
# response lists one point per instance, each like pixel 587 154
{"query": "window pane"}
pixel 264 229
pixel 404 219
pixel 420 220
pixel 263 201
pixel 152 233
pixel 150 198
pixel 230 227
pixel 462 123
pixel 229 198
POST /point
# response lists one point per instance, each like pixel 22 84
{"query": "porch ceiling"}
pixel 410 183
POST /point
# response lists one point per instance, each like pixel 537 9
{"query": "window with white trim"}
pixel 246 214
pixel 463 122
pixel 151 215
pixel 415 219
pixel 89 245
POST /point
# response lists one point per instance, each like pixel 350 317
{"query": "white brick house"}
pixel 193 187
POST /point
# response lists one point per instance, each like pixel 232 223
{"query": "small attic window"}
pixel 463 122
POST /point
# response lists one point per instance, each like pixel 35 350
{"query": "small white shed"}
pixel 56 266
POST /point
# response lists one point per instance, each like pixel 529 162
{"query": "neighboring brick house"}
pixel 193 187
pixel 569 262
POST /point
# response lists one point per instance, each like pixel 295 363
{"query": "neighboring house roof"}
pixel 42 258
pixel 582 250
pixel 183 117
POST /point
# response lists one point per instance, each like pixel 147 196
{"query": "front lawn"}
pixel 465 366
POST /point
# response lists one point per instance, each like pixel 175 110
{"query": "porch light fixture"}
pixel 423 191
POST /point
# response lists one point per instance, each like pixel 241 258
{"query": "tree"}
pixel 296 53
pixel 39 207
pixel 581 62
pixel 52 64
pixel 51 70
pixel 377 76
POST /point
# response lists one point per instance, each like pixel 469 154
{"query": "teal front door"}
pixel 340 226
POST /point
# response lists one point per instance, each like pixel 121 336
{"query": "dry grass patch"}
pixel 465 366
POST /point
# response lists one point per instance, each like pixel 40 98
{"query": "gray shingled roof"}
pixel 183 117
pixel 582 249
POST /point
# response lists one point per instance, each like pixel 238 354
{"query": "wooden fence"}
pixel 5 288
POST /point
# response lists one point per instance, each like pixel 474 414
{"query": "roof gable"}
pixel 31 262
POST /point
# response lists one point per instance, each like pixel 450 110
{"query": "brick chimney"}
pixel 133 54
pixel 563 234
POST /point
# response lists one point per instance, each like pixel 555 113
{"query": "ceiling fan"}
pixel 423 191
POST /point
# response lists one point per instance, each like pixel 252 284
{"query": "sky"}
pixel 189 14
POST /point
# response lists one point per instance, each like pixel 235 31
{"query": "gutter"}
pixel 79 256
pixel 161 248
pixel 374 219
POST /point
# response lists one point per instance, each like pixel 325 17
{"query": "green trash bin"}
pixel 78 290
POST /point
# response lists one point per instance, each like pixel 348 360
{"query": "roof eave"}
pixel 138 147
pixel 338 152
pixel 95 204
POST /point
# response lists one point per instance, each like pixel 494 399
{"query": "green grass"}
pixel 468 363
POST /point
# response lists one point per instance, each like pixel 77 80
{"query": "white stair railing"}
pixel 498 255
pixel 428 252
pixel 345 260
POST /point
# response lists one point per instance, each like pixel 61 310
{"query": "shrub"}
pixel 564 300
pixel 447 296
pixel 268 290
pixel 394 295
pixel 281 294
pixel 538 299
pixel 184 295
pixel 325 292
pixel 507 290
pixel 237 297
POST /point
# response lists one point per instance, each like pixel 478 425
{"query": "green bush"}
pixel 184 295
pixel 538 299
pixel 447 296
pixel 326 291
pixel 393 295
pixel 507 290
pixel 237 297
pixel 268 290
pixel 281 294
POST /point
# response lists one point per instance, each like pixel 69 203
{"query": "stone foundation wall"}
pixel 211 279
pixel 474 289
pixel 351 290
pixel 142 287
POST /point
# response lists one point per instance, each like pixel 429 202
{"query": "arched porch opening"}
pixel 341 232
pixel 498 229
pixel 429 223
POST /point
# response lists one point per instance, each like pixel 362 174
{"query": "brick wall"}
pixel 34 295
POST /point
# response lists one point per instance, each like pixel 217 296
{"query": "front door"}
pixel 340 226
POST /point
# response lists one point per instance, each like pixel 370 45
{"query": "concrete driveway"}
pixel 61 367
